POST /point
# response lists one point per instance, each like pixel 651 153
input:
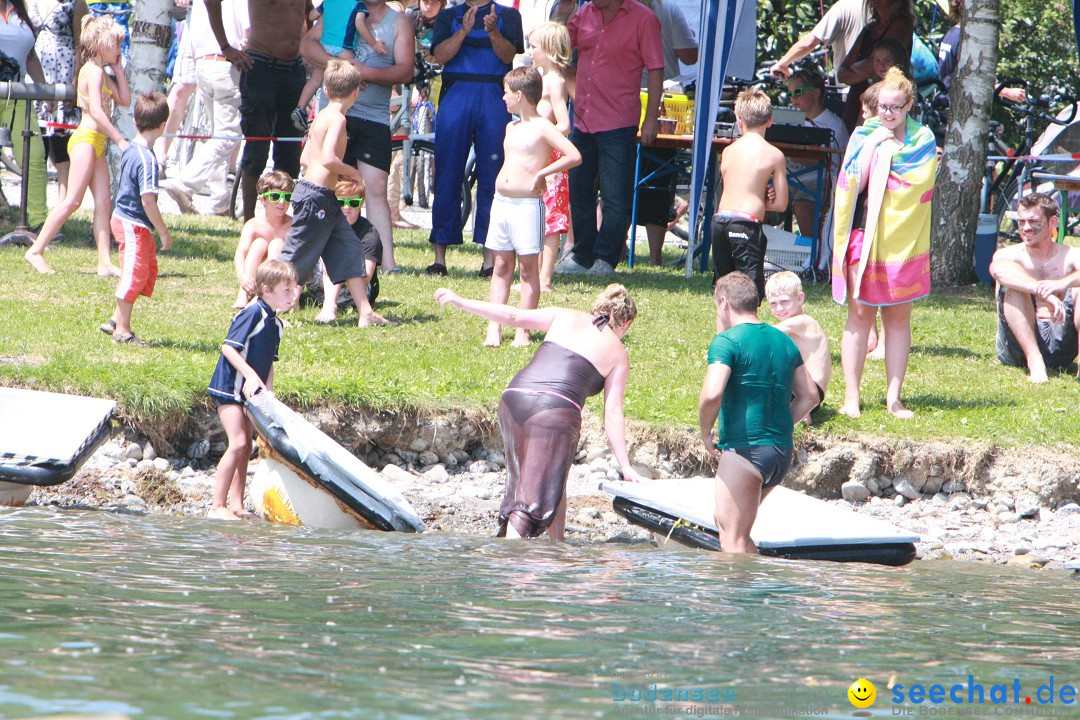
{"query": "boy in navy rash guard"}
pixel 245 368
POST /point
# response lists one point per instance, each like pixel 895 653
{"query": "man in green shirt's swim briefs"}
pixel 758 386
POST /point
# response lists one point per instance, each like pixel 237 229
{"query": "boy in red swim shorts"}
pixel 135 213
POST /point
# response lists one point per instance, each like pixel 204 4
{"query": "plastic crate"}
pixel 786 249
pixel 681 109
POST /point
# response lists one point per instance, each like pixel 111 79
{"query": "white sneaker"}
pixel 179 193
pixel 569 266
pixel 601 267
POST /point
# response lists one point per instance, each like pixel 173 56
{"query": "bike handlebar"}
pixel 1036 106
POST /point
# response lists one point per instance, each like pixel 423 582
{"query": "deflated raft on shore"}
pixel 305 478
pixel 45 437
pixel 789 524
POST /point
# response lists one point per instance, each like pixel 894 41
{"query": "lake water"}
pixel 161 617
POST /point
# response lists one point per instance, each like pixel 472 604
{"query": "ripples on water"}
pixel 164 617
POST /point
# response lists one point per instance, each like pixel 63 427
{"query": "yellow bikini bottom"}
pixel 91 137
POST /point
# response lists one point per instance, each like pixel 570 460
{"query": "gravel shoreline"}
pixel 124 476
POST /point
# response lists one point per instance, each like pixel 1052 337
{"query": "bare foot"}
pixel 900 412
pixel 494 336
pixel 1038 377
pixel 878 353
pixel 241 300
pixel 38 263
pixel 109 271
pixel 549 288
pixel 327 316
pixel 374 319
pixel 243 514
pixel 220 513
pixel 851 410
pixel 521 339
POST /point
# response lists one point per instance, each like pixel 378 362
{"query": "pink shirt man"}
pixel 611 58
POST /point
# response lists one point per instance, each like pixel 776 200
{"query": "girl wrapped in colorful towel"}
pixel 881 254
pixel 540 410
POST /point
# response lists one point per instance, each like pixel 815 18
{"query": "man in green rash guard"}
pixel 758 386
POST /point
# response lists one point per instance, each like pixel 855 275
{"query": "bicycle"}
pixel 418 148
pixel 1002 190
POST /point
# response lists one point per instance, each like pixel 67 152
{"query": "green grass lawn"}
pixel 434 359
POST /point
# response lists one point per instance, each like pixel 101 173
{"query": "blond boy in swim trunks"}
pixel 748 167
pixel 517 227
pixel 785 296
pixel 263 237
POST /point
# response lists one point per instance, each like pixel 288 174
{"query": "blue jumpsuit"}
pixel 471 113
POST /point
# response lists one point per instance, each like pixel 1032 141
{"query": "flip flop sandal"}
pixel 108 327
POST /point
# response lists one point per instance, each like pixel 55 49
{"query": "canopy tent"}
pixel 720 19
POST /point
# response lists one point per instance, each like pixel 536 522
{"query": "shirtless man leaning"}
pixel 747 166
pixel 1038 284
pixel 272 78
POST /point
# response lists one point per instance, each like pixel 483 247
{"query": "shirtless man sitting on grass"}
pixel 1038 284
pixel 748 165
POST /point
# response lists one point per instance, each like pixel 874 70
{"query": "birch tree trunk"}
pixel 959 181
pixel 148 53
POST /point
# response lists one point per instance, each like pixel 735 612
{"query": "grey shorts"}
pixel 320 229
pixel 1057 343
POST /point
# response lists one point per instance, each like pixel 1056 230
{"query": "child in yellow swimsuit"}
pixel 101 41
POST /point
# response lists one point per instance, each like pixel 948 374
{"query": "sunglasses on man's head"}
pixel 276 197
pixel 353 203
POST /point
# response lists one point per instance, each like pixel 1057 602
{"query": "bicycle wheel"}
pixel 1004 206
pixel 468 186
pixel 7 158
pixel 236 197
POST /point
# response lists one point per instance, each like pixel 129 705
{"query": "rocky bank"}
pixel 1013 507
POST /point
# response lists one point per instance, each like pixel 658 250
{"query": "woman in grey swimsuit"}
pixel 540 410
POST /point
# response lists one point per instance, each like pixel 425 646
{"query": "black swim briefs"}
pixel 772 462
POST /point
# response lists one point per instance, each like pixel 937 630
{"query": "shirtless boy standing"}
pixel 517 213
pixel 747 167
pixel 785 295
pixel 319 227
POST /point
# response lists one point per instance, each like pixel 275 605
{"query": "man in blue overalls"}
pixel 476 43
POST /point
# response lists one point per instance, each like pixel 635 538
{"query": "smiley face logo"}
pixel 862 693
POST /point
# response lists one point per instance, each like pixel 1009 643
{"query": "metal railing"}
pixel 22 235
